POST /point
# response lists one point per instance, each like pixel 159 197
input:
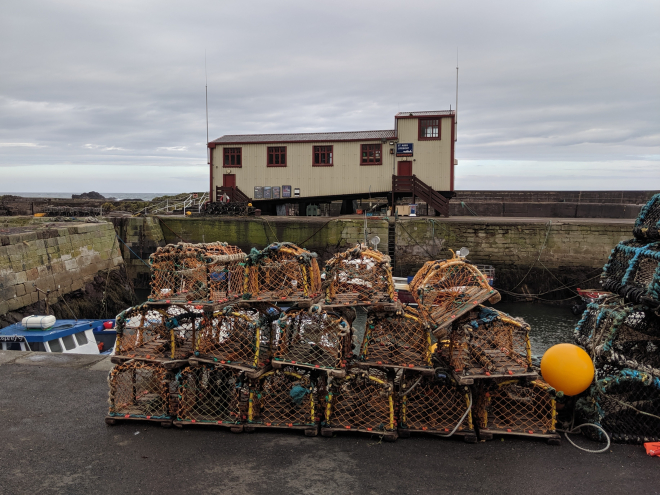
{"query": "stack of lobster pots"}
pixel 621 332
pixel 268 340
pixel 484 354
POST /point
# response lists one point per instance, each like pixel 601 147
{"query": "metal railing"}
pixel 192 202
pixel 412 184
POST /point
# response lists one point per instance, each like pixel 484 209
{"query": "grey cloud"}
pixel 568 81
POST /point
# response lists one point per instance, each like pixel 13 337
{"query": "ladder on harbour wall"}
pixel 412 184
pixel 234 193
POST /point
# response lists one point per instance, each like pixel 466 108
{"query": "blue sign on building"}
pixel 404 149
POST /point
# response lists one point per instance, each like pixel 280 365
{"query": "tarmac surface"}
pixel 54 440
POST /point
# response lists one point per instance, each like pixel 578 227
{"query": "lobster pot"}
pixel 282 272
pixel 287 398
pixel 626 405
pixel 517 407
pixel 400 339
pixel 647 225
pixel 317 339
pixel 434 405
pixel 178 273
pixel 237 336
pixel 359 276
pixel 212 394
pixel 633 271
pixel 449 289
pixel 493 343
pixel 226 271
pixel 140 390
pixel 361 401
pixel 621 334
pixel 161 333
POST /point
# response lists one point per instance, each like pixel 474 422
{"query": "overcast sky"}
pixel 110 95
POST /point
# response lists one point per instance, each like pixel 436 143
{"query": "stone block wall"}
pixel 318 234
pixel 57 257
pixel 140 236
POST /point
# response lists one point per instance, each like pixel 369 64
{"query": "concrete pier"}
pixel 55 440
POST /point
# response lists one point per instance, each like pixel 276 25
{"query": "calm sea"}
pixel 67 195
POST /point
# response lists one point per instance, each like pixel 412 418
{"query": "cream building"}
pixel 337 164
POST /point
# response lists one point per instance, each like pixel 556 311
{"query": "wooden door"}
pixel 404 168
pixel 229 180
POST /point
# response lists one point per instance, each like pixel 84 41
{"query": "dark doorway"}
pixel 404 168
pixel 229 180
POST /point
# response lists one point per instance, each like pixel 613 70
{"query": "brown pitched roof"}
pixel 306 136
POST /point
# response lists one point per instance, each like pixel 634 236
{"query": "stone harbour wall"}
pixel 58 257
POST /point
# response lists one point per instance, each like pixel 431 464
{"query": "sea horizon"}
pixel 144 196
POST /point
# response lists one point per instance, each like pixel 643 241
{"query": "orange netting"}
pixel 490 343
pixel 237 335
pixel 362 401
pixel 140 390
pixel 433 405
pixel 358 276
pixel 162 333
pixel 282 271
pixel 318 339
pixel 287 397
pixel 517 406
pixel 178 273
pixel 397 339
pixel 226 270
pixel 212 394
pixel 447 289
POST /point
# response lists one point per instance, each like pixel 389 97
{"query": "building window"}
pixel 371 154
pixel 232 157
pixel 322 156
pixel 277 156
pixel 429 129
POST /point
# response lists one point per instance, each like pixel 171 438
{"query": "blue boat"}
pixel 65 336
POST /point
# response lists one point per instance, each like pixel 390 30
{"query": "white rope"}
pixel 577 429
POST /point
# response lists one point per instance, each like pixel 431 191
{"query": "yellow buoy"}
pixel 567 368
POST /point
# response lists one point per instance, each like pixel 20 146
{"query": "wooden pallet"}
pixel 463 378
pixel 168 364
pixel 233 427
pixel 249 372
pixel 352 299
pixel 474 295
pixel 279 363
pixel 112 420
pixel 468 436
pixel 425 370
pixel 387 436
pixel 488 434
pixel 310 430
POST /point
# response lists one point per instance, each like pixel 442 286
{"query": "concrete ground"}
pixel 53 439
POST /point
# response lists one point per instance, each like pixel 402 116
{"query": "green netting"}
pixel 621 334
pixel 633 271
pixel 625 405
pixel 647 225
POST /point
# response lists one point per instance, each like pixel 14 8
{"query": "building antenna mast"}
pixel 456 109
pixel 206 88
